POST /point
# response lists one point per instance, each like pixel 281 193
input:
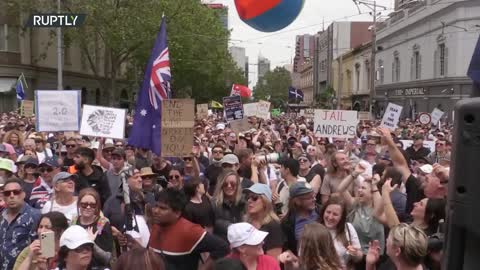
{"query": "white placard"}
pixel 250 109
pixel 263 109
pixel 335 123
pixel 428 144
pixel 103 122
pixel 436 116
pixel 307 113
pixel 391 116
pixel 57 110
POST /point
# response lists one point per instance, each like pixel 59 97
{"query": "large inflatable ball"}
pixel 268 15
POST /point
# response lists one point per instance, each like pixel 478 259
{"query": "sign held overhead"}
pixel 336 123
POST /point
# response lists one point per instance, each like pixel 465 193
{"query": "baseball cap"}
pixel 62 176
pixel 6 164
pixel 220 126
pixel 300 188
pixel 230 159
pixel 119 152
pixel 50 161
pixel 441 134
pixel 23 159
pixel 427 169
pixel 260 189
pixel 31 161
pixel 74 236
pixel 244 233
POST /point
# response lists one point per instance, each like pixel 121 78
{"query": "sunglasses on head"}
pixel 174 176
pixel 8 193
pixel 85 205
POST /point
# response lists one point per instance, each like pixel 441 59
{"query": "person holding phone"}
pixel 33 256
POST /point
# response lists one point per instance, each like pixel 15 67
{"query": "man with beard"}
pixel 177 239
pixel 90 175
pixel 339 168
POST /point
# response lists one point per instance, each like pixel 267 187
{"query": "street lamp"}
pixel 334 103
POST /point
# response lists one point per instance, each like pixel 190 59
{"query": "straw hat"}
pixel 147 171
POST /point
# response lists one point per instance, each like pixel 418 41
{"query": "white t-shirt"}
pixel 69 210
pixel 352 238
pixel 41 155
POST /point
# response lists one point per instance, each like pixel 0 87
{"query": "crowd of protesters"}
pixel 274 196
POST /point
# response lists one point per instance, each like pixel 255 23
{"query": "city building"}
pixel 304 51
pixel 338 39
pixel 222 13
pixel 33 52
pixel 240 58
pixel 423 55
pixel 306 83
pixel 263 67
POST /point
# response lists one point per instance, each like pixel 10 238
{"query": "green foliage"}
pixel 274 87
pixel 122 32
pixel 325 98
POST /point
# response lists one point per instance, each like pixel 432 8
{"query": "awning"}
pixel 7 84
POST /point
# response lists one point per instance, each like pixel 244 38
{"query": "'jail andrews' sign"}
pixel 336 123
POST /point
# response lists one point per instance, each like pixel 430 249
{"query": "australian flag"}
pixel 146 131
pixel 474 70
pixel 295 94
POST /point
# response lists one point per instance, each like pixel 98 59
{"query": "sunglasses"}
pixel 253 197
pixel 231 184
pixel 174 176
pixel 83 248
pixel 441 144
pixel 85 205
pixel 42 170
pixel 8 193
pixel 303 160
pixel 187 159
pixel 70 145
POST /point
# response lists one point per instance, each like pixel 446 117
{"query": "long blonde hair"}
pixel 8 135
pixel 218 194
pixel 268 215
pixel 317 250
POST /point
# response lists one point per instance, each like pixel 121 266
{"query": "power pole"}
pixel 59 53
pixel 340 72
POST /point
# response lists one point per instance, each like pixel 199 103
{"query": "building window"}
pixel 396 68
pixel 442 56
pixel 381 71
pixel 367 73
pixel 306 46
pixel 357 77
pixel 9 38
pixel 416 64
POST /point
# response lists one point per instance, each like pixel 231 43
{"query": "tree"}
pixel 325 99
pixel 122 33
pixel 274 87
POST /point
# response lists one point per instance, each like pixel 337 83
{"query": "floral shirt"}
pixel 14 237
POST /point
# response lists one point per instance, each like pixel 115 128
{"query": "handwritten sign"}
pixel 364 116
pixel 335 123
pixel 263 109
pixel 250 109
pixel 436 116
pixel 202 111
pixel 103 122
pixel 27 108
pixel 57 110
pixel 177 127
pixel 239 126
pixel 233 108
pixel 308 113
pixel 391 116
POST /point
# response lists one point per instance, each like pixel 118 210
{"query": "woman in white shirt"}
pixel 345 238
pixel 63 200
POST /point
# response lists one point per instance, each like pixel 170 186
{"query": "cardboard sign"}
pixel 308 113
pixel 177 127
pixel 27 108
pixel 57 110
pixel 239 126
pixel 335 123
pixel 263 109
pixel 233 108
pixel 202 111
pixel 250 109
pixel 391 116
pixel 364 116
pixel 427 144
pixel 436 116
pixel 103 122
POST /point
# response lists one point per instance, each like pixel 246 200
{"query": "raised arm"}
pixel 395 154
pixel 391 215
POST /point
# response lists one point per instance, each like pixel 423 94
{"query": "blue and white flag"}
pixel 20 88
pixel 295 94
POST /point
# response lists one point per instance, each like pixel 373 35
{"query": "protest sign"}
pixel 57 110
pixel 263 109
pixel 233 108
pixel 240 125
pixel 276 112
pixel 424 118
pixel 335 123
pixel 436 116
pixel 250 109
pixel 27 108
pixel 364 116
pixel 202 111
pixel 177 127
pixel 308 113
pixel 391 116
pixel 103 122
pixel 428 144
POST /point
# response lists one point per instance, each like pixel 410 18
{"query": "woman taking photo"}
pixel 228 206
pixel 31 257
pixel 345 238
pixel 198 209
pixel 97 226
pixel 260 214
pixel 317 251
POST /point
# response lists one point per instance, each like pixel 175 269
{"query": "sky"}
pixel 279 47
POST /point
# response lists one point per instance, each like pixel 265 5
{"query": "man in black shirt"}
pixel 215 168
pixel 417 150
pixel 71 146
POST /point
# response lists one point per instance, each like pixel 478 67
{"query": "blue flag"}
pixel 147 129
pixel 474 69
pixel 19 89
pixel 295 94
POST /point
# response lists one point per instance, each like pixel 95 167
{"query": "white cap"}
pixel 220 126
pixel 74 236
pixel 427 169
pixel 243 233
